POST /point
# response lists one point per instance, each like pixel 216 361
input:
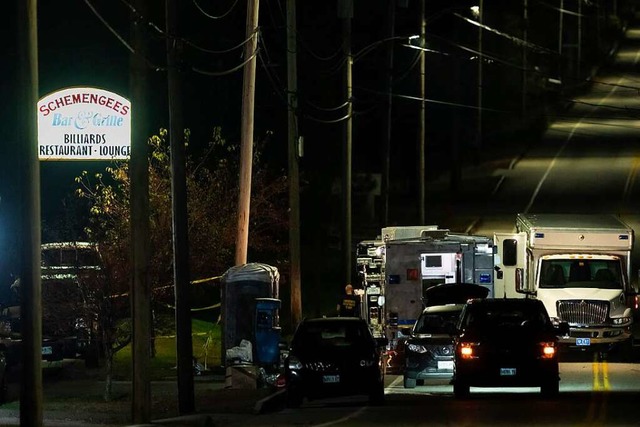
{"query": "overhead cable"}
pixel 516 40
pixel 208 15
pixel 226 72
pixel 121 39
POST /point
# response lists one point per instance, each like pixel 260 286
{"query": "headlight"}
pixel 294 364
pixel 416 348
pixel 621 320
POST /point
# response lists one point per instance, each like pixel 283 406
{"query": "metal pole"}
pixel 246 134
pixel 184 345
pixel 28 174
pixel 294 178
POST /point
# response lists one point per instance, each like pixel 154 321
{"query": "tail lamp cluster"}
pixel 469 350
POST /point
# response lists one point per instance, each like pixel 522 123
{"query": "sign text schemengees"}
pixel 84 123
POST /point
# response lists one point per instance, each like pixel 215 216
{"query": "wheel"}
pixel 550 388
pixel 376 397
pixel 3 388
pixel 625 351
pixel 409 382
pixel 294 398
pixel 461 389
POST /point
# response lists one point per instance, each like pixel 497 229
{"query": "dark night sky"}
pixel 75 49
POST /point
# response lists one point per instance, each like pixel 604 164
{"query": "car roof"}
pixel 453 293
pixel 333 320
pixel 506 302
pixel 446 308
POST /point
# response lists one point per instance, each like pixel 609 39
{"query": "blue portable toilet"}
pixel 240 286
pixel 268 331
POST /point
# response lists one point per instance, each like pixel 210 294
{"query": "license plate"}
pixel 507 372
pixel 331 378
pixel 583 341
pixel 47 350
pixel 445 364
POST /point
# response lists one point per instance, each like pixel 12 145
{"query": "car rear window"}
pixel 436 323
pixel 505 316
pixel 330 335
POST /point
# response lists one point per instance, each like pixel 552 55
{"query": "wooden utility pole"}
pixel 293 154
pixel 480 78
pixel 422 137
pixel 246 134
pixel 386 150
pixel 184 344
pixel 28 176
pixel 346 13
pixel 140 240
pixel 525 37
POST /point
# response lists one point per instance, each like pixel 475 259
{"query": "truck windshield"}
pixel 581 273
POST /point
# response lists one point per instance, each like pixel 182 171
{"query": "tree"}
pixel 212 185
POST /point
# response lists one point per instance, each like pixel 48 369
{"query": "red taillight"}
pixel 281 381
pixel 467 350
pixel 548 350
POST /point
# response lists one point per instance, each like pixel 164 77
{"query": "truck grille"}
pixel 583 312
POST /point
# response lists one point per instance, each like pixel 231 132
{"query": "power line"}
pixel 210 16
pixel 225 72
pixel 120 39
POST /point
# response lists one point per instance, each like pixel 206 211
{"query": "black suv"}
pixel 334 356
pixel 506 343
pixel 429 349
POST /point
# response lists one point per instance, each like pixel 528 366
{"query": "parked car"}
pixel 331 357
pixel 70 273
pixel 428 351
pixel 507 342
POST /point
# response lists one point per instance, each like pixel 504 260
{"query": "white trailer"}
pixel 579 267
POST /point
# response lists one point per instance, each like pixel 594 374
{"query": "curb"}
pixel 270 403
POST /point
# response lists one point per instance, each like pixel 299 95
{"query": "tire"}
pixel 3 388
pixel 376 397
pixel 409 382
pixel 625 351
pixel 294 398
pixel 550 388
pixel 461 390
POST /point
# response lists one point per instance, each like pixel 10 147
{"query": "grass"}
pixel 206 338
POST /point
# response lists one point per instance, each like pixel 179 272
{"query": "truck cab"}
pixel 578 266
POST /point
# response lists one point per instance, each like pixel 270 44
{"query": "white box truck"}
pixel 397 270
pixel 579 266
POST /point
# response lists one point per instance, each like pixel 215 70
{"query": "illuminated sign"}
pixel 84 123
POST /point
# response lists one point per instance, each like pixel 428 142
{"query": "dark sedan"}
pixel 506 343
pixel 331 357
